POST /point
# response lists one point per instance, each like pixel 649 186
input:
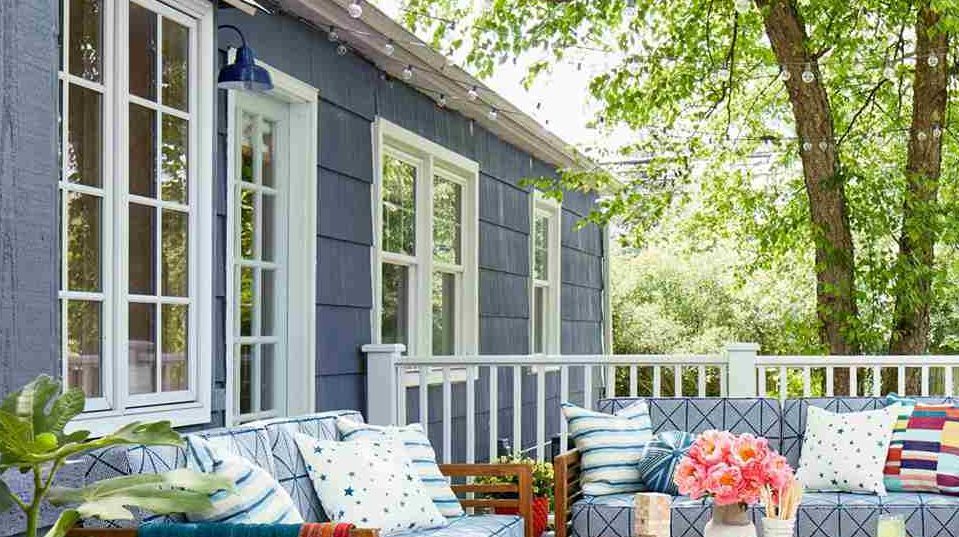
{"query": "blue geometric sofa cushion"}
pixel 475 526
pixel 289 468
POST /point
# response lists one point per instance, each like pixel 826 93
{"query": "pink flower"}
pixel 725 483
pixel 690 478
pixel 777 470
pixel 746 449
pixel 711 447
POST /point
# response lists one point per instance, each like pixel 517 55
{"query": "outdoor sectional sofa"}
pixel 823 514
pixel 270 445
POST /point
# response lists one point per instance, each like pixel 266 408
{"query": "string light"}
pixel 473 94
pixel 807 75
pixel 936 132
pixel 355 9
pixel 785 74
pixel 921 136
pixel 333 36
pixel 933 60
pixel 743 6
pixel 492 114
pixel 824 145
pixel 441 102
pixel 408 73
pixel 389 48
pixel 630 10
pixel 633 67
pixel 341 49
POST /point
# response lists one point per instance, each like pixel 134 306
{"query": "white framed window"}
pixel 545 282
pixel 136 116
pixel 426 250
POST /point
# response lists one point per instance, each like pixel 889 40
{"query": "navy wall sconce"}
pixel 243 73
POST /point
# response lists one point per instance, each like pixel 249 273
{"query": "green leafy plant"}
pixel 542 475
pixel 34 439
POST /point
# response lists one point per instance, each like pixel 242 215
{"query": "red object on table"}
pixel 540 513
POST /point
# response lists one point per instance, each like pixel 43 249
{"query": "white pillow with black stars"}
pixel 846 452
pixel 370 483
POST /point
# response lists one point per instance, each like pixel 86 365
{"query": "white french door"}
pixel 259 186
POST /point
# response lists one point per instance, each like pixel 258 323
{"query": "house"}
pixel 211 257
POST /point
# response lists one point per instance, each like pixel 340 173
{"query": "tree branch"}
pixel 871 98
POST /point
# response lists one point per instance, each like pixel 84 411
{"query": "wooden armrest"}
pixel 523 488
pixel 132 532
pixel 566 469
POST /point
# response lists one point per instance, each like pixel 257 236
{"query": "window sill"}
pixel 104 423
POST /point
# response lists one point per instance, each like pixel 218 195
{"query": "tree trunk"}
pixel 917 240
pixel 835 268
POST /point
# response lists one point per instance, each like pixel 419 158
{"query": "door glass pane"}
pixel 142 155
pixel 86 39
pixel 83 346
pixel 247 126
pixel 267 375
pixel 399 206
pixel 175 346
pixel 268 223
pixel 176 53
pixel 540 247
pixel 142 348
pixel 393 319
pixel 246 379
pixel 267 164
pixel 447 211
pixel 142 250
pixel 84 149
pixel 143 52
pixel 173 159
pixel 444 316
pixel 267 299
pixel 83 242
pixel 539 318
pixel 246 301
pixel 176 253
pixel 247 222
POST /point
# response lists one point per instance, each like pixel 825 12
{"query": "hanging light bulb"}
pixel 824 145
pixel 389 48
pixel 807 75
pixel 492 114
pixel 936 132
pixel 933 60
pixel 408 73
pixel 341 49
pixel 743 6
pixel 333 36
pixel 630 11
pixel 921 136
pixel 441 102
pixel 473 94
pixel 633 67
pixel 807 146
pixel 785 74
pixel 355 9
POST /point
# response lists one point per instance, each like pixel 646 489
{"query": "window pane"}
pixel 83 346
pixel 447 214
pixel 393 318
pixel 143 144
pixel 539 318
pixel 444 316
pixel 247 223
pixel 246 301
pixel 268 224
pixel 176 67
pixel 143 52
pixel 247 126
pixel 142 250
pixel 142 348
pixel 267 299
pixel 84 149
pixel 173 160
pixel 86 39
pixel 175 348
pixel 399 206
pixel 267 164
pixel 83 246
pixel 267 364
pixel 246 378
pixel 176 253
pixel 541 247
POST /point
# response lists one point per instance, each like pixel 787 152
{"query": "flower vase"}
pixel 730 521
pixel 775 527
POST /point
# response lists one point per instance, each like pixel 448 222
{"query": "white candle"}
pixel 891 526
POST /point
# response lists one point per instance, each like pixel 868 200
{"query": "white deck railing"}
pixel 498 382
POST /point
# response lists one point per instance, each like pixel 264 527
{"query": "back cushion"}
pixel 794 416
pixel 290 470
pixel 758 416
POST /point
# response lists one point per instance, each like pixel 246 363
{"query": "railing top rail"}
pixel 857 361
pixel 564 359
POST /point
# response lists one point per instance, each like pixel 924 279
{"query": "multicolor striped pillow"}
pixel 610 446
pixel 256 498
pixel 420 451
pixel 924 452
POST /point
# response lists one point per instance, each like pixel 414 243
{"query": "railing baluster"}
pixel 447 417
pixel 677 381
pixel 901 380
pixel 424 392
pixel 830 381
pixel 657 381
pixel 853 382
pixel 948 380
pixel 723 381
pixel 493 411
pixel 924 380
pixel 517 409
pixel 783 383
pixel 610 380
pixel 588 387
pixel 633 382
pixel 876 381
pixel 471 374
pixel 763 384
pixel 701 380
pixel 564 397
pixel 401 396
pixel 540 412
pixel 807 381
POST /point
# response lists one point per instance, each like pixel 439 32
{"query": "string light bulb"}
pixel 630 10
pixel 341 49
pixel 473 94
pixel 492 114
pixel 333 36
pixel 441 102
pixel 807 75
pixel 785 74
pixel 355 9
pixel 921 136
pixel 389 48
pixel 408 73
pixel 807 146
pixel 933 60
pixel 824 145
pixel 936 132
pixel 633 67
pixel 743 6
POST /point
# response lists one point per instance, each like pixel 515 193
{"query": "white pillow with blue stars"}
pixel 370 483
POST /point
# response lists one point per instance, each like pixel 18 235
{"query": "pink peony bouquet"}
pixel 732 469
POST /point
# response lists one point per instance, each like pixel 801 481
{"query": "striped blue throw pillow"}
pixel 610 446
pixel 420 451
pixel 256 498
pixel 659 460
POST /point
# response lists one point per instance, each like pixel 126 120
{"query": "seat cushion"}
pixel 475 526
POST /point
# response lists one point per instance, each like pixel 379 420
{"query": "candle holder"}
pixel 891 526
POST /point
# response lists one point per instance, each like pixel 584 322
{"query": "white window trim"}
pixel 106 414
pixel 553 210
pixel 301 259
pixel 435 159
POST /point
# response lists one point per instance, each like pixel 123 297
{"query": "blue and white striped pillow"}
pixel 256 498
pixel 610 446
pixel 420 451
pixel 660 458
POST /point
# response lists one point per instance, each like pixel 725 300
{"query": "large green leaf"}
pixel 15 436
pixel 178 491
pixel 6 497
pixel 30 403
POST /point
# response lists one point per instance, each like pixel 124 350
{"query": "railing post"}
pixel 741 369
pixel 382 382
